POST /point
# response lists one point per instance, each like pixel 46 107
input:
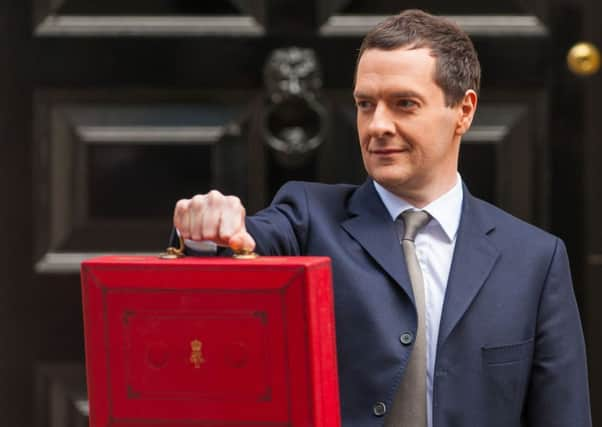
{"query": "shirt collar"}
pixel 446 210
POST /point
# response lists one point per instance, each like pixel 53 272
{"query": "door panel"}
pixel 110 167
pixel 591 87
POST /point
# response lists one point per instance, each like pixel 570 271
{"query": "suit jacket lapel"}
pixel 473 260
pixel 371 226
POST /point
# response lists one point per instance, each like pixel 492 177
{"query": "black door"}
pixel 111 111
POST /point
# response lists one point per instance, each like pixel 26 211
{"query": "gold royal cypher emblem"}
pixel 196 356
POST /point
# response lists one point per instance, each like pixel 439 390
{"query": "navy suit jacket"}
pixel 510 349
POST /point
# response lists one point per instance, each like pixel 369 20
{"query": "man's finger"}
pixel 195 216
pixel 209 225
pixel 234 220
pixel 180 217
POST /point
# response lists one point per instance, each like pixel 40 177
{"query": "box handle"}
pixel 175 253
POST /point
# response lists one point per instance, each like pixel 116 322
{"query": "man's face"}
pixel 408 137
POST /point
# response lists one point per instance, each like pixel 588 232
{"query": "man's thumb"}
pixel 242 241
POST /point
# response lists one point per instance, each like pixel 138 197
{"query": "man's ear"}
pixel 466 111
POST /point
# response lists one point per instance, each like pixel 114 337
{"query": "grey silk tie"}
pixel 409 405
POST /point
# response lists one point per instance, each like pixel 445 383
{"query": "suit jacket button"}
pixel 379 409
pixel 406 338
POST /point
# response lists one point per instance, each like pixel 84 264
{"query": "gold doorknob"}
pixel 584 59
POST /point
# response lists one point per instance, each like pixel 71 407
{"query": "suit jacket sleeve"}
pixel 558 391
pixel 282 228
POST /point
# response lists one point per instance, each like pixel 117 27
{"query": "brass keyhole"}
pixel 583 59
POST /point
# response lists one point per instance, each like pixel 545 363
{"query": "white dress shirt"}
pixel 435 245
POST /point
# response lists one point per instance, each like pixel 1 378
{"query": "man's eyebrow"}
pixel 360 94
pixel 395 94
pixel 407 94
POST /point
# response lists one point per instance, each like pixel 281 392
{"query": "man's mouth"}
pixel 386 151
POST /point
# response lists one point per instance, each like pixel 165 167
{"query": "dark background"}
pixel 105 123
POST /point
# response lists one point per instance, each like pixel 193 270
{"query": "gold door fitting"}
pixel 583 59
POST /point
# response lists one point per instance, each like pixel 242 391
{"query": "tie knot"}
pixel 413 221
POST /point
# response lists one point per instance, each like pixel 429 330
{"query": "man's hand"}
pixel 214 217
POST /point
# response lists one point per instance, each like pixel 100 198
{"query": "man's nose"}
pixel 381 123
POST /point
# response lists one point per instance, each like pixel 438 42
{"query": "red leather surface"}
pixel 210 342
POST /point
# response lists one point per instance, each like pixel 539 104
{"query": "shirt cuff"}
pixel 201 246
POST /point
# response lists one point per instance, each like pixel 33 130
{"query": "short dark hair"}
pixel 457 66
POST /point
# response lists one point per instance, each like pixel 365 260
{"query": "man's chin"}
pixel 395 186
pixel 391 183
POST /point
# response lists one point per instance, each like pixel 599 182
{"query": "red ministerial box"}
pixel 210 342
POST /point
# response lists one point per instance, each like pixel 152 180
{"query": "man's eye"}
pixel 363 105
pixel 406 103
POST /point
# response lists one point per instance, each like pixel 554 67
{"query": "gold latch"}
pixel 174 253
pixel 244 254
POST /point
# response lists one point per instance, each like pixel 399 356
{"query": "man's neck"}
pixel 424 195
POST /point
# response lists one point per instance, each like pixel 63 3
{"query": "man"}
pixel 474 324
